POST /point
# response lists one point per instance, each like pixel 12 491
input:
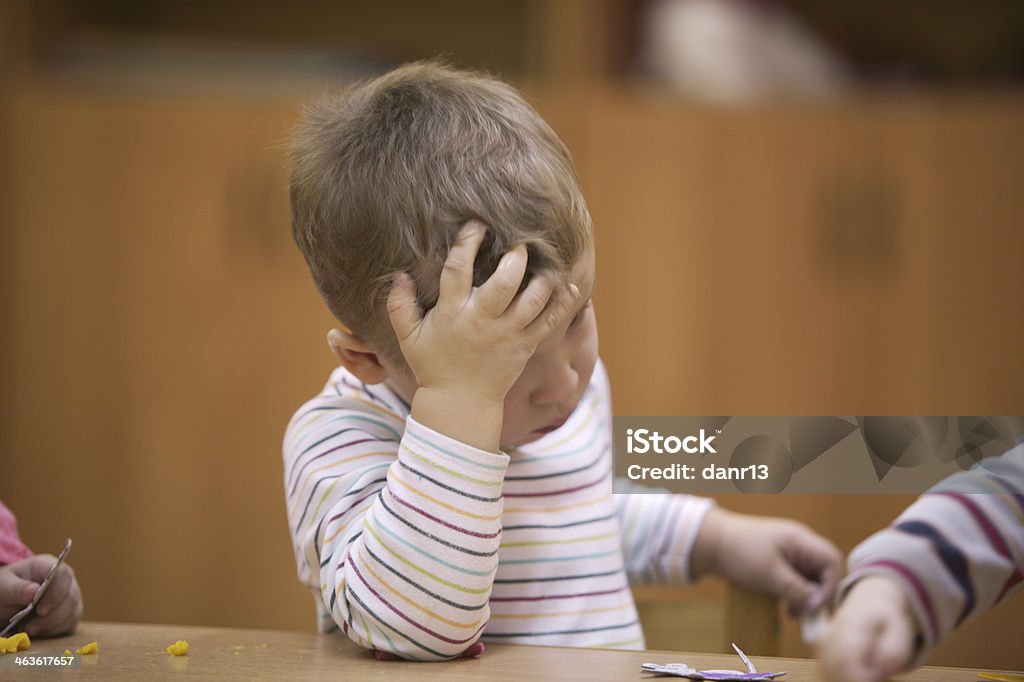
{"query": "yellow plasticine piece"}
pixel 8 646
pixel 67 652
pixel 21 640
pixel 90 648
pixel 179 648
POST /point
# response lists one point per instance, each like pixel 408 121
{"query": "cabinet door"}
pixel 160 331
pixel 816 260
pixel 954 336
pixel 704 222
pixel 854 259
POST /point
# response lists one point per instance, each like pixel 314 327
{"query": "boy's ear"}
pixel 356 356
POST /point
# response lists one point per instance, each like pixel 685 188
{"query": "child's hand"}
pixel 777 556
pixel 468 351
pixel 871 636
pixel 60 609
pixel 15 591
pixel 476 340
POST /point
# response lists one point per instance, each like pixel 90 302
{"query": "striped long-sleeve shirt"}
pixel 419 545
pixel 957 551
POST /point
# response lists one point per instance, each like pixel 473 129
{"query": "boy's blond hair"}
pixel 385 173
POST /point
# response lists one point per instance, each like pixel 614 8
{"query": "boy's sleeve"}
pixel 657 528
pixel 399 533
pixel 957 551
pixel 658 532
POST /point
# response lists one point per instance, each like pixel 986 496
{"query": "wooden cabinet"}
pixel 850 259
pixel 855 258
pixel 160 330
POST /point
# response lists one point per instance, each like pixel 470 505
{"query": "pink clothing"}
pixel 11 547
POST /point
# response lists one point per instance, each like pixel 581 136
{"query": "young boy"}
pixel 453 479
pixel 953 554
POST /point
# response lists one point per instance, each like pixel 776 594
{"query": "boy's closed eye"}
pixel 579 315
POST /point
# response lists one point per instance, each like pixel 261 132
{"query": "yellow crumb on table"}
pixel 67 652
pixel 14 643
pixel 179 648
pixel 90 648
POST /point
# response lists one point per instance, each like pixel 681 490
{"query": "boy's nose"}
pixel 558 386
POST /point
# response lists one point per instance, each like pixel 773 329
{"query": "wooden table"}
pixel 137 652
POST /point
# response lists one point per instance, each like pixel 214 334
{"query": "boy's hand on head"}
pixel 60 609
pixel 871 636
pixel 476 339
pixel 776 556
pixel 470 348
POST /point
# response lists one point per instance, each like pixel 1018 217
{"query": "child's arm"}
pixel 60 609
pixel 953 554
pixel 658 533
pixel 678 538
pixel 402 535
pixel 772 555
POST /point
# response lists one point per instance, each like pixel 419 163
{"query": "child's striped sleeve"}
pixel 397 527
pixel 957 551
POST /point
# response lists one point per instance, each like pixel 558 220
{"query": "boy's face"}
pixel 554 379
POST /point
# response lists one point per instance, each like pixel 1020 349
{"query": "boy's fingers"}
pixel 532 300
pixel 826 590
pixel 403 309
pixel 497 292
pixel 554 313
pixel 822 563
pixel 792 587
pixel 815 563
pixel 457 274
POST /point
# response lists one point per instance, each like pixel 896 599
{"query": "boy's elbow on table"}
pixel 388 644
pixel 392 635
